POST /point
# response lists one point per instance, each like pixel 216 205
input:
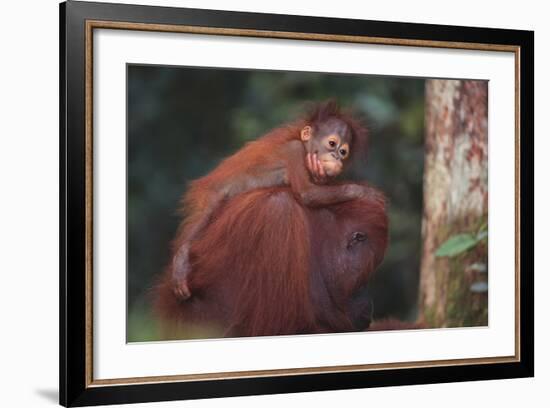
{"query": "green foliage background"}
pixel 183 121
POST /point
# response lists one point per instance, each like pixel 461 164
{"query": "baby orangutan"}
pixel 305 155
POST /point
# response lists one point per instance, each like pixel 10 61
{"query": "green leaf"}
pixel 456 245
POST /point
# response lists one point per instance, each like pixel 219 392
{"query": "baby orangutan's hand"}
pixel 316 169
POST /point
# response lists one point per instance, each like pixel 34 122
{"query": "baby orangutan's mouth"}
pixel 332 168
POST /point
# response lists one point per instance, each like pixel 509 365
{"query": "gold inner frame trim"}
pixel 91 24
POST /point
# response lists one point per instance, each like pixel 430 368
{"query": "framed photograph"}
pixel 256 204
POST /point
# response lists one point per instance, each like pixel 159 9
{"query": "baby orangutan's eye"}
pixel 332 143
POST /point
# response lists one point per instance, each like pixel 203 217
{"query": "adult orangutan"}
pixel 268 265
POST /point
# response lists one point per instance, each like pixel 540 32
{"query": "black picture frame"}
pixel 75 389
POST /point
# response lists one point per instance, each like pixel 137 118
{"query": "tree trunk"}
pixel 452 288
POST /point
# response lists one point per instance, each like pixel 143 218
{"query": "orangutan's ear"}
pixel 305 134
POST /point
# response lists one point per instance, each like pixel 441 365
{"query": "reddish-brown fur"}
pixel 259 155
pixel 274 160
pixel 267 265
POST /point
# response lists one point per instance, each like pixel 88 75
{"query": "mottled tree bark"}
pixel 455 201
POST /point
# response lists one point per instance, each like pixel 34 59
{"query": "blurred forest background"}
pixel 183 121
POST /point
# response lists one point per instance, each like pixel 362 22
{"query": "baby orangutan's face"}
pixel 329 147
pixel 332 153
